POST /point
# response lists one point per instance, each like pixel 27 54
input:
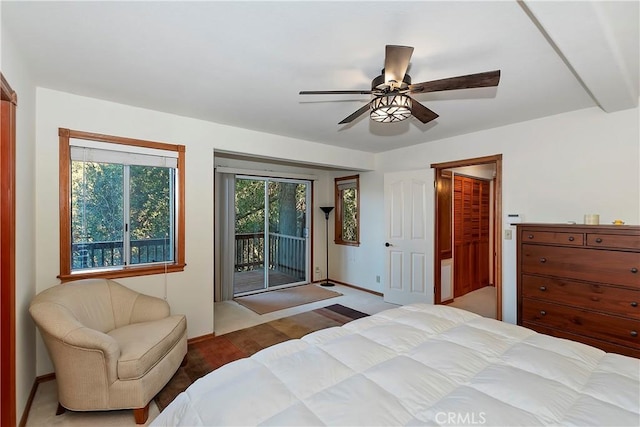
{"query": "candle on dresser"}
pixel 592 219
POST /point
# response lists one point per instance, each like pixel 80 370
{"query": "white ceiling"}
pixel 243 63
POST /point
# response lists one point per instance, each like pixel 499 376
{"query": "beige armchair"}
pixel 111 347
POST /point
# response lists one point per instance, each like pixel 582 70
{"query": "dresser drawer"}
pixel 613 267
pixel 582 322
pixel 616 241
pixel 603 298
pixel 602 345
pixel 559 237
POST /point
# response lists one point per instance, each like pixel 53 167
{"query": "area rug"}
pixel 208 355
pixel 266 302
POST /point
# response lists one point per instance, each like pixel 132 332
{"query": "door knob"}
pixel 387 244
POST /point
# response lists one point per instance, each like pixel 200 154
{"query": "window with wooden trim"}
pixel 121 206
pixel 347 220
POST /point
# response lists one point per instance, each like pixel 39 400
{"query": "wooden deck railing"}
pixel 109 254
pixel 287 254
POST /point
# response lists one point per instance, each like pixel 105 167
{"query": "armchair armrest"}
pixel 57 324
pixel 147 308
pixel 89 339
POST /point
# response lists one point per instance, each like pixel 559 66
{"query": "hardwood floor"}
pixel 253 280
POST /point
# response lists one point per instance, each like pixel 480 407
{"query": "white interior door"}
pixel 408 278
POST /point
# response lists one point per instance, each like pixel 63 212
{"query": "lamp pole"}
pixel 327 210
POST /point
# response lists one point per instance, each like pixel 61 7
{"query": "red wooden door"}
pixel 471 234
pixel 7 255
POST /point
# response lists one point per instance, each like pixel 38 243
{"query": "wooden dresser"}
pixel 581 282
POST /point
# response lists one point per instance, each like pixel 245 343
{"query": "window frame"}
pixel 339 209
pixel 65 209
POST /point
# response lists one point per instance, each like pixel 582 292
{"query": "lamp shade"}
pixel 326 210
pixel 390 108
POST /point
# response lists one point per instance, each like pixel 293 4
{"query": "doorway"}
pixel 468 229
pixel 271 224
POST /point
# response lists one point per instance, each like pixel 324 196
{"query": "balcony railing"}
pixel 110 254
pixel 287 254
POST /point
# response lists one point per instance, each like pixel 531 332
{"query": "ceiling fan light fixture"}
pixel 390 108
pixel 390 89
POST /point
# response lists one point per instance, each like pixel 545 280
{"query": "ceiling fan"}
pixel 391 102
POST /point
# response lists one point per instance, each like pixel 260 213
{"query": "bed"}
pixel 418 364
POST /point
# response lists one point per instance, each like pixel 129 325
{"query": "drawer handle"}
pixel 598 240
pixel 634 333
pixel 530 236
pixel 634 270
pixel 571 238
pixel 543 260
pixel 634 304
pixel 543 288
pixel 543 313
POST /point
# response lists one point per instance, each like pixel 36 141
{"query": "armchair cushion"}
pixel 142 345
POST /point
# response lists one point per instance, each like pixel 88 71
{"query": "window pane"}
pixel 349 215
pixel 150 214
pixel 96 215
pixel 102 219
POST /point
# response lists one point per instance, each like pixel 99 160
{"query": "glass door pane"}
pixel 288 229
pixel 271 233
pixel 250 215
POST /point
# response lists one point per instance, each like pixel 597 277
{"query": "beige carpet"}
pixel 481 301
pixel 266 302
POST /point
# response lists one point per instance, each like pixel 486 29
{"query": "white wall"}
pixel 191 291
pixel 555 169
pixel 360 265
pixel 18 76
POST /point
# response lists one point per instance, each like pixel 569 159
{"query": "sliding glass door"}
pixel 271 233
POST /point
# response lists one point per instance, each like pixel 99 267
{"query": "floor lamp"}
pixel 326 210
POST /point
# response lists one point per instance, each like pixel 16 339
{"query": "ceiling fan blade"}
pixel 355 115
pixel 335 92
pixel 421 112
pixel 396 62
pixel 487 79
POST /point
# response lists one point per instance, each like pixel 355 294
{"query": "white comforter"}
pixel 417 365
